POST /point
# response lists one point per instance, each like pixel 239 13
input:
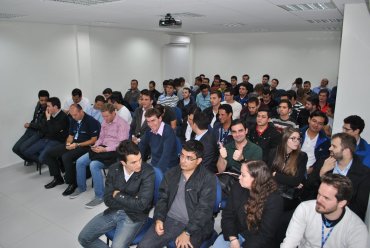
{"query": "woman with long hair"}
pixel 288 166
pixel 252 211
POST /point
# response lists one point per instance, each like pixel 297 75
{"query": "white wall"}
pixel 285 55
pixel 61 57
pixel 354 68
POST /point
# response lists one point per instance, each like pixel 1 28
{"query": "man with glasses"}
pixel 229 99
pixel 183 212
pixel 128 196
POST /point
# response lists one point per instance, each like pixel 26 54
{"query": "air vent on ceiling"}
pixel 325 21
pixel 10 16
pixel 308 6
pixel 185 14
pixel 85 2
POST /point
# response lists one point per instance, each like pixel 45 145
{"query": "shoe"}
pixel 70 189
pixel 75 194
pixel 28 163
pixel 95 202
pixel 54 183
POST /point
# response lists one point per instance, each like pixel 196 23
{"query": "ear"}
pixel 123 162
pixel 199 160
pixel 342 203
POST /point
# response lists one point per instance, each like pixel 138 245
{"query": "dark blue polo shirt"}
pixel 85 129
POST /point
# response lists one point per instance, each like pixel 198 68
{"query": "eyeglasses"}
pixel 187 158
pixel 295 139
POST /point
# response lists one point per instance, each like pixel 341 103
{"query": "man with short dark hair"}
pixel 76 98
pixel 168 98
pixel 138 125
pixel 246 81
pixel 242 98
pixel 264 134
pixel 284 120
pixel 95 110
pixel 186 102
pixel 354 125
pixel 128 195
pixel 133 94
pixel 53 132
pixel 103 153
pixel 340 227
pixel 203 98
pixel 307 88
pixel 107 93
pixel 236 106
pixel 212 111
pixel 323 100
pixel 155 93
pixel 265 81
pixel 221 131
pixel 238 150
pixel 83 132
pixel 200 128
pixel 344 161
pixel 118 103
pixel 160 140
pixel 32 128
pixel 186 198
pixel 267 100
pixel 314 141
pixel 312 104
pixel 249 112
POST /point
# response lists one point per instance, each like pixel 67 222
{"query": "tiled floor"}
pixel 32 216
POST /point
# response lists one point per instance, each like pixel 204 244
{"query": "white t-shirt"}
pixel 309 148
pixel 84 103
pixel 237 107
pixel 125 114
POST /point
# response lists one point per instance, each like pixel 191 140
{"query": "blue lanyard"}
pixel 77 131
pixel 223 135
pixel 323 237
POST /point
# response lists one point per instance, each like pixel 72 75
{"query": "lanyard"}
pixel 78 130
pixel 323 237
pixel 223 135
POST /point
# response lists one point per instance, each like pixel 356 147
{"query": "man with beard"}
pixel 340 227
pixel 344 161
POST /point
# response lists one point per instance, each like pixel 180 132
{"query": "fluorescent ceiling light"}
pixel 85 2
pixel 308 6
pixel 325 21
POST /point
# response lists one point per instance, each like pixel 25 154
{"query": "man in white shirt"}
pixel 236 106
pixel 122 111
pixel 78 99
pixel 340 227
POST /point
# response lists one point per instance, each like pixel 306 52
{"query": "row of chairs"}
pixel 150 221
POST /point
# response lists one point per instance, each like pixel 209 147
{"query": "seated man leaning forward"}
pixel 128 195
pixel 186 197
pixel 340 227
pixel 114 129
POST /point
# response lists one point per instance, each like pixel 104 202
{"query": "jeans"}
pixel 222 243
pixel 126 230
pixel 96 173
pixel 27 139
pixel 36 152
pixel 172 229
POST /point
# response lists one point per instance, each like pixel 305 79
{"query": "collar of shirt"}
pixel 261 132
pixel 54 115
pixel 127 175
pixel 160 129
pixel 198 137
pixel 344 172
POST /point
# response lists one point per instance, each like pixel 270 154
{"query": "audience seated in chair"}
pixel 249 112
pixel 128 195
pixel 118 103
pixel 212 111
pixel 221 131
pixel 229 99
pixel 102 154
pixel 253 210
pixel 284 120
pixel 76 98
pixel 95 110
pixel 83 132
pixel 54 132
pixel 132 95
pixel 184 209
pixel 340 227
pixel 32 133
pixel 233 153
pixel 138 125
pixel 159 142
pixel 168 98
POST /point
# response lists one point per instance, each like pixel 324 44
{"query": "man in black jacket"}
pixel 32 133
pixel 344 161
pixel 128 195
pixel 53 132
pixel 186 197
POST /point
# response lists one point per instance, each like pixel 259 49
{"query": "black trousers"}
pixel 69 158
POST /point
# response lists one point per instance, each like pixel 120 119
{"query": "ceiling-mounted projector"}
pixel 170 22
